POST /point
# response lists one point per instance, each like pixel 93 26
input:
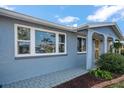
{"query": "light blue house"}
pixel 30 46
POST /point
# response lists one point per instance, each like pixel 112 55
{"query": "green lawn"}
pixel 118 85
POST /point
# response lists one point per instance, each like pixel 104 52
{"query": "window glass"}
pixel 84 44
pixel 23 33
pixel 23 40
pixel 61 38
pixel 45 42
pixel 61 43
pixel 81 44
pixel 61 48
pixel 23 47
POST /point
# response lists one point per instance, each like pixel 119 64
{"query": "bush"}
pixel 101 74
pixel 122 52
pixel 112 62
pixel 117 44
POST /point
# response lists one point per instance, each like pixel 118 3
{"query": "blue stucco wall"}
pixel 106 30
pixel 14 69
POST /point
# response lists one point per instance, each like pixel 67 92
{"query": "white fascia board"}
pixel 94 25
pixel 31 19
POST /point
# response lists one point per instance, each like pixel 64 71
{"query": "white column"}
pixel 105 44
pixel 89 50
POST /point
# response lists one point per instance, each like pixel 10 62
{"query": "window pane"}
pixel 23 33
pixel 45 42
pixel 61 48
pixel 61 38
pixel 84 44
pixel 79 44
pixel 23 47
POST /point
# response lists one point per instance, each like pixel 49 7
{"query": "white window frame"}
pixel 86 44
pixel 16 39
pixel 61 43
pixel 32 42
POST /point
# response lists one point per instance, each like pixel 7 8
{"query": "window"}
pixel 30 41
pixel 23 40
pixel 61 43
pixel 45 42
pixel 81 44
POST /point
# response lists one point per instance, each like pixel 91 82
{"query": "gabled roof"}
pixel 27 18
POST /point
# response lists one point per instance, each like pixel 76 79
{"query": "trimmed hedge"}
pixel 112 62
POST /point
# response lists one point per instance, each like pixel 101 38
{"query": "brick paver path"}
pixel 48 80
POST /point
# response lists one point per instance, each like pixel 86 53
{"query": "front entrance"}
pixel 97 49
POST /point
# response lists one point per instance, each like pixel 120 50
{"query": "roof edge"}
pixel 24 17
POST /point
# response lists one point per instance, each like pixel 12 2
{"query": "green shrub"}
pixel 101 74
pixel 122 52
pixel 117 44
pixel 111 62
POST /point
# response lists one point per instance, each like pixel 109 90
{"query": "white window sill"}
pixel 81 52
pixel 40 55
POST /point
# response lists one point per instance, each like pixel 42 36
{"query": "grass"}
pixel 117 85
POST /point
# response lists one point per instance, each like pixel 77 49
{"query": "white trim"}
pixel 15 32
pixel 26 26
pixel 44 30
pixel 79 36
pixel 81 52
pixel 38 55
pixel 32 42
pixel 57 42
pixel 16 39
pixel 65 43
pixel 24 40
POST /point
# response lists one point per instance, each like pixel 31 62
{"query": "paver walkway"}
pixel 48 80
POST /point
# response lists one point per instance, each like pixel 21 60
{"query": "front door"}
pixel 97 49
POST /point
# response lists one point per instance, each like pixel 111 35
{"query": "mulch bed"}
pixel 84 81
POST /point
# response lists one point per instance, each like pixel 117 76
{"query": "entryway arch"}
pixel 91 36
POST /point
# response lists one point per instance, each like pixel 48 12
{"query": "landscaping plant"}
pixel 116 46
pixel 101 74
pixel 112 62
pixel 122 52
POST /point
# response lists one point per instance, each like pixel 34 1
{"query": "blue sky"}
pixel 74 15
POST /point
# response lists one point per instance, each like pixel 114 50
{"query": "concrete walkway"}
pixel 49 80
